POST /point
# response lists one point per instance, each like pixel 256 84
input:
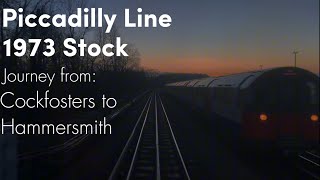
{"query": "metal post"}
pixel 295 57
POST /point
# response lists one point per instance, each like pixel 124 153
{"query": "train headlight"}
pixel 263 117
pixel 314 118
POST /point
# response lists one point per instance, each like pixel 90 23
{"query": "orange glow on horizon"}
pixel 216 66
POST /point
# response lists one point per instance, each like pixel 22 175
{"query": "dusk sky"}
pixel 219 37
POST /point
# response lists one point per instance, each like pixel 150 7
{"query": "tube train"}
pixel 273 106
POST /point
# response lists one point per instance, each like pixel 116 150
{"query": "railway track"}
pixel 152 151
pixel 76 140
pixel 309 163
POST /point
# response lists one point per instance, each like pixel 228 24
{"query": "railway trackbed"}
pixel 152 151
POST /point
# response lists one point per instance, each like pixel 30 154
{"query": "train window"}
pixel 224 96
pixel 313 93
pixel 285 94
pixel 249 97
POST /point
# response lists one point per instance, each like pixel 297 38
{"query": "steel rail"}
pixel 175 141
pixel 116 167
